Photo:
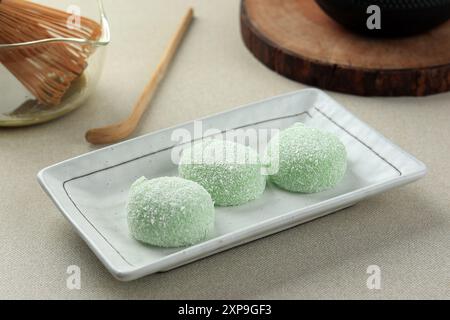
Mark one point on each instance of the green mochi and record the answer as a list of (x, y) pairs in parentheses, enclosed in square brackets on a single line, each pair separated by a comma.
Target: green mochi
[(230, 172), (309, 160), (169, 212)]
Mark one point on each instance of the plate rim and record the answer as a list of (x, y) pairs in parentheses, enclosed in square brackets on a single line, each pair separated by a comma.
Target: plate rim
[(238, 237)]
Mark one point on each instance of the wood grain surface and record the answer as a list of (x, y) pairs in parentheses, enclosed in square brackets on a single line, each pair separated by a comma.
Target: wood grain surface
[(296, 39)]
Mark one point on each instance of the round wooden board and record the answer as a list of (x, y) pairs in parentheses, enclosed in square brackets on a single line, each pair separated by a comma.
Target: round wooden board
[(296, 39)]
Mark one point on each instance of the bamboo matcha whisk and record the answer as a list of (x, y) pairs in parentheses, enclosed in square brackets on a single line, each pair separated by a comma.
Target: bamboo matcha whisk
[(46, 70)]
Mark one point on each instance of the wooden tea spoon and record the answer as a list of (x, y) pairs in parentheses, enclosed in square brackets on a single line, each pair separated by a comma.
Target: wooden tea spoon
[(124, 129)]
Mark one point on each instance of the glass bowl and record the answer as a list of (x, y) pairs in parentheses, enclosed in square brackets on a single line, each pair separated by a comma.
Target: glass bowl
[(18, 105)]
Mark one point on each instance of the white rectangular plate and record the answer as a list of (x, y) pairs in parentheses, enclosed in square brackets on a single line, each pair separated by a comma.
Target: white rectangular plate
[(91, 190)]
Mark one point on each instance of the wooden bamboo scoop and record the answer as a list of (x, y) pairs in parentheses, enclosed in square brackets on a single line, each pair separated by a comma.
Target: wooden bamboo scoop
[(124, 129)]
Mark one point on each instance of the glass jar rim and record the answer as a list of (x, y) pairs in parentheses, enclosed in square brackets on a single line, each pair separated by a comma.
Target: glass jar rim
[(104, 39)]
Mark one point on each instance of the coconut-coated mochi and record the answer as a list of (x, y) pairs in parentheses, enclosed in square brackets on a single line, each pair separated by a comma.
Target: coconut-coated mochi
[(169, 212), (309, 160), (231, 172)]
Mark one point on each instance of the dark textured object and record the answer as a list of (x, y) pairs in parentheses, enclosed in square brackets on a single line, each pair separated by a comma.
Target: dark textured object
[(398, 17), (298, 40)]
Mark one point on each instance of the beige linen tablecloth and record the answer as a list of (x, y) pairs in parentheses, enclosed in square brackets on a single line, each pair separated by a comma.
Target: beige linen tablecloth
[(406, 232)]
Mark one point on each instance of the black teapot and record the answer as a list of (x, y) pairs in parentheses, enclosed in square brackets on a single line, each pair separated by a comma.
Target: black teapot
[(387, 18)]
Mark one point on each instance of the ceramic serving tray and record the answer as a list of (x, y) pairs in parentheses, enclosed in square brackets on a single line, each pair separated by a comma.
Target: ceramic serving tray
[(91, 190)]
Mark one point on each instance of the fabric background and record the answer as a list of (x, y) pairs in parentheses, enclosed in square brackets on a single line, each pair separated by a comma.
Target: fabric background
[(405, 231)]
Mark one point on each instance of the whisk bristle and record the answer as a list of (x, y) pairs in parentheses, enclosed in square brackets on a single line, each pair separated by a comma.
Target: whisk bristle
[(46, 70)]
